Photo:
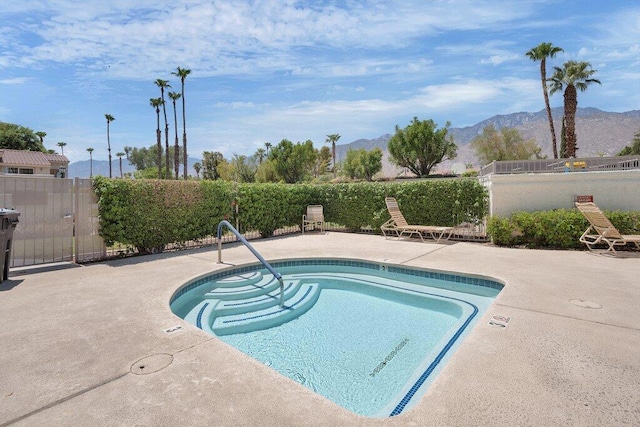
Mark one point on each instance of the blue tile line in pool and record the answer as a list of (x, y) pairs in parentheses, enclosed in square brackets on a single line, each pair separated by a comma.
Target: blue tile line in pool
[(342, 263), (199, 320), (416, 386)]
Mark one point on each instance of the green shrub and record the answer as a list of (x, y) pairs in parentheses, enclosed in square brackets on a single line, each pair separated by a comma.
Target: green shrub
[(557, 229), (149, 214)]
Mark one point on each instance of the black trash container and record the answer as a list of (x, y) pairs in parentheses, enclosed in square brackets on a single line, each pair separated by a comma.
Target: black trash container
[(8, 222)]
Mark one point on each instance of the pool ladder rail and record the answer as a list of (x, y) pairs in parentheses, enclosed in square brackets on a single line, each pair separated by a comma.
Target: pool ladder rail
[(264, 262)]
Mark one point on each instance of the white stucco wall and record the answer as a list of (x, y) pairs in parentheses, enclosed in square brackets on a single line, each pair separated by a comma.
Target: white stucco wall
[(615, 190)]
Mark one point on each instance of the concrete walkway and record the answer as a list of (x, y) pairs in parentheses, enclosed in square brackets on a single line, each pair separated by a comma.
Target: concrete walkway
[(88, 345)]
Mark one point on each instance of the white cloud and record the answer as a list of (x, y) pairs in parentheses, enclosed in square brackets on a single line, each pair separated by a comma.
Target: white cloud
[(15, 81)]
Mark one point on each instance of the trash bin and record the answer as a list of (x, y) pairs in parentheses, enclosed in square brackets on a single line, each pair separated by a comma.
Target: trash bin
[(8, 222)]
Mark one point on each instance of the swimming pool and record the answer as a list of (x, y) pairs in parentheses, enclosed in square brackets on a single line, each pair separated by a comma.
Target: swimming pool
[(369, 336)]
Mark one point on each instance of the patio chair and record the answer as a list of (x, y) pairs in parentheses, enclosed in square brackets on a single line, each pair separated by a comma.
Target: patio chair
[(398, 224), (313, 217), (601, 230)]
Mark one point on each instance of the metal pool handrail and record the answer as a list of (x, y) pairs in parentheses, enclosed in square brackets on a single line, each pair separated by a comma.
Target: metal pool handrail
[(253, 251)]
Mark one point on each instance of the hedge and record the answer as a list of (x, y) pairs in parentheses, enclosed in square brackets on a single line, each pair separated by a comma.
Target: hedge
[(149, 214), (557, 229)]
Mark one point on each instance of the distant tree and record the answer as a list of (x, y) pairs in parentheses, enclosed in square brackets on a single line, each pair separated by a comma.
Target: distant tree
[(183, 73), (90, 150), (40, 134), (109, 118), (147, 158), (176, 151), (293, 162), (267, 172), (197, 166), (634, 148), (362, 164), (371, 162), (260, 154), (61, 145), (241, 169), (323, 159), (267, 146), (420, 146), (164, 84), (507, 144), (541, 53), (351, 164), (119, 155), (211, 164), (333, 138), (572, 76), (16, 137), (155, 103)]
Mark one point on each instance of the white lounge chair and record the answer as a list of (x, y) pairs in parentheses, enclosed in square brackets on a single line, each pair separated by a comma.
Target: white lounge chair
[(398, 224), (601, 230)]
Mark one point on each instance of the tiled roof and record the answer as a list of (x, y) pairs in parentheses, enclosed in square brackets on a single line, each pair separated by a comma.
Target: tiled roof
[(29, 158), (58, 158)]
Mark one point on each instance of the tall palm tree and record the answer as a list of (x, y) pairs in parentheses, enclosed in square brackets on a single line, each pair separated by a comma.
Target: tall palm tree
[(155, 103), (541, 53), (183, 73), (333, 138), (164, 84), (61, 145), (119, 155), (90, 150), (572, 76), (267, 146), (176, 152), (109, 118), (41, 135)]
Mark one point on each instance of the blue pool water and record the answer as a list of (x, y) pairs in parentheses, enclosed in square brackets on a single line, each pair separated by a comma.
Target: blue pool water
[(370, 337)]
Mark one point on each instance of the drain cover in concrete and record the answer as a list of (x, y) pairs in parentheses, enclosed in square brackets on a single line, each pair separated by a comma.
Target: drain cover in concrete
[(584, 303), (151, 364)]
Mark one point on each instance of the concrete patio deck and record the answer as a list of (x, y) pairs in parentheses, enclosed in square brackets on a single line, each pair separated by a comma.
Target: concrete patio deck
[(74, 340)]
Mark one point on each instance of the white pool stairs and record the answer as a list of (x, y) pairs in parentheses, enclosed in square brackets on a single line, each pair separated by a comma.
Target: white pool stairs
[(250, 301)]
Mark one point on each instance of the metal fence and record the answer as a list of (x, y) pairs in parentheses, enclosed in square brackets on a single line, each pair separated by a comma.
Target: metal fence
[(562, 165)]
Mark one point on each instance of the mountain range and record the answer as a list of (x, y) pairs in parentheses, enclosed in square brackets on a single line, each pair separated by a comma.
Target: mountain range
[(599, 133)]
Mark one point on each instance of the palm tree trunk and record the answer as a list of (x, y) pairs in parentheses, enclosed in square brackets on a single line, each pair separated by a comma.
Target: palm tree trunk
[(184, 136), (570, 107), (333, 154), (176, 153), (121, 176), (109, 147), (543, 75), (159, 142)]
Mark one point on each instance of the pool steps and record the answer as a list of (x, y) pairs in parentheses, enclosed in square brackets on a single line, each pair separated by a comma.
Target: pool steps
[(250, 301), (242, 290), (297, 304)]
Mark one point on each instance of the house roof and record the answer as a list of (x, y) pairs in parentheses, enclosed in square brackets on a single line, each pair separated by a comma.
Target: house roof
[(56, 158), (29, 158)]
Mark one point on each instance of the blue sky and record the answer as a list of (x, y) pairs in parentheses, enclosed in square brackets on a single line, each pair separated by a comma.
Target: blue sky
[(265, 70)]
